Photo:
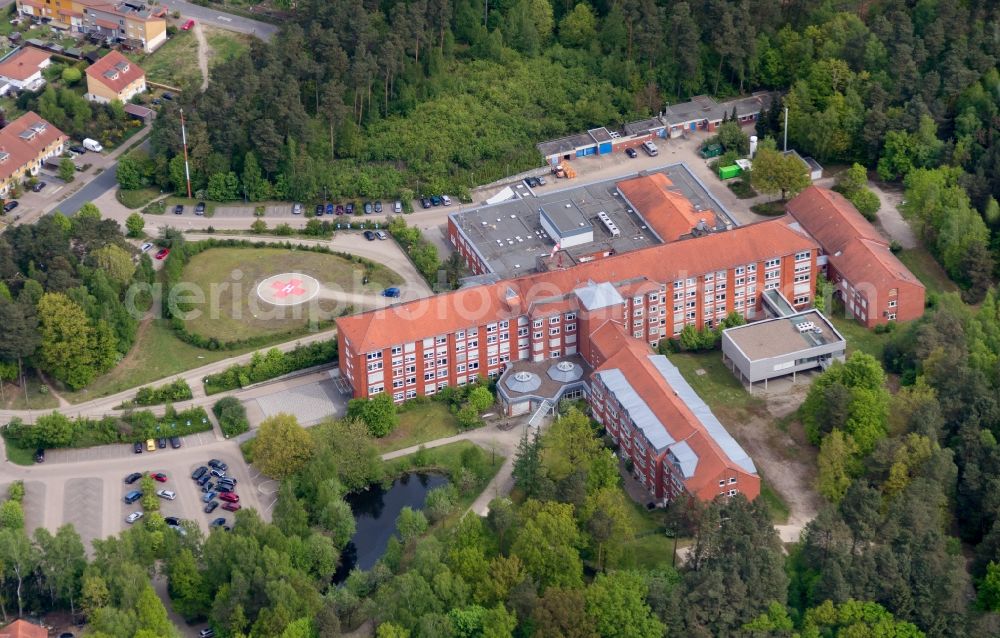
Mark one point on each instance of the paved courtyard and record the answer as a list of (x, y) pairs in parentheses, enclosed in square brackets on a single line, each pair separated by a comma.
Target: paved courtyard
[(309, 403)]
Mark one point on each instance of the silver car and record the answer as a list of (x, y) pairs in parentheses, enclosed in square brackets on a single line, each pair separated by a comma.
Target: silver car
[(133, 517)]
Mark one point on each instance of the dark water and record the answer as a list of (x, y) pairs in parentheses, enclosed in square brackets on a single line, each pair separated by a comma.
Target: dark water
[(375, 512)]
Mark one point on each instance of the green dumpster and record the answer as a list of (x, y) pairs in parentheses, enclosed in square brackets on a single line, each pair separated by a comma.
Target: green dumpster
[(729, 172), (712, 150)]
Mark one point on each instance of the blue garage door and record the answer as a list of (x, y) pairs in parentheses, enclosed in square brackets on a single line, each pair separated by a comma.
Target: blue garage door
[(590, 150), (605, 147)]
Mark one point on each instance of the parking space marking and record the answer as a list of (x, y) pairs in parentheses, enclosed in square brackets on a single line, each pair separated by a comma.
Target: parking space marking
[(83, 506)]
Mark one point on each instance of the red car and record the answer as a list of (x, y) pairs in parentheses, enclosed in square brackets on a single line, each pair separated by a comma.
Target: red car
[(160, 477), (187, 25), (163, 253), (230, 507), (231, 497)]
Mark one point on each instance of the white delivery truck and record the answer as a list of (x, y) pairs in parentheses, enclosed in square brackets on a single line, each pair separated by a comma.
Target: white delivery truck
[(92, 145)]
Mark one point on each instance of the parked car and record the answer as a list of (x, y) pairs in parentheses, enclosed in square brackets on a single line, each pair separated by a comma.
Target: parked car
[(368, 208), (161, 442), (531, 181), (167, 494), (157, 101), (145, 247), (205, 478), (381, 234), (137, 447), (208, 496), (160, 477), (132, 478), (349, 208), (631, 152), (397, 207), (151, 445), (187, 25), (446, 200), (40, 455), (11, 205), (207, 487), (206, 633), (229, 497), (172, 521), (296, 208), (231, 507), (132, 497), (200, 472), (77, 149), (167, 95), (179, 209), (163, 253), (218, 473), (329, 209), (219, 522), (425, 202), (227, 480), (378, 206), (650, 149), (222, 488), (199, 208), (133, 517), (92, 145), (216, 464), (37, 188), (319, 210), (211, 507), (541, 180), (175, 442), (369, 235), (339, 209), (435, 200), (391, 292)]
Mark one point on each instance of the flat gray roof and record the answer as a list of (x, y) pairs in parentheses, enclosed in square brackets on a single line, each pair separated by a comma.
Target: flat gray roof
[(777, 337), (704, 107), (567, 218), (508, 236)]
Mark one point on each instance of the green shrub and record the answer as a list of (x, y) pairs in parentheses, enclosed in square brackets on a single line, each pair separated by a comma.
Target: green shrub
[(178, 390), (232, 416), (273, 363)]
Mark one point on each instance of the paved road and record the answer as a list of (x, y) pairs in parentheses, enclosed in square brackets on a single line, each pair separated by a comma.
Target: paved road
[(103, 182), (222, 20)]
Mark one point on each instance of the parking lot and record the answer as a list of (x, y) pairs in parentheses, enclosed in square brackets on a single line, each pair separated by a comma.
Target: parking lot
[(89, 492)]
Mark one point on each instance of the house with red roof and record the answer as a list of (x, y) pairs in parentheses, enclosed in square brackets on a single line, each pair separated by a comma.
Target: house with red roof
[(25, 144), (21, 69), (114, 77), (23, 629), (873, 283)]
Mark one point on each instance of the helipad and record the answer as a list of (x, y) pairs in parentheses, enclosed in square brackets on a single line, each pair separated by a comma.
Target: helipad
[(288, 289)]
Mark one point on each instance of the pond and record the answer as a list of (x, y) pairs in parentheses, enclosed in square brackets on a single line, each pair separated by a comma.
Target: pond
[(375, 512)]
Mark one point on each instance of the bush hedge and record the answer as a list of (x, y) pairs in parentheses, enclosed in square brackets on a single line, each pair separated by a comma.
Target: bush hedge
[(268, 365), (232, 416), (59, 431), (178, 390)]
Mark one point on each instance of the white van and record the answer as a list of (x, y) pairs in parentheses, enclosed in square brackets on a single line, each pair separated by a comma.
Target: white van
[(92, 145), (649, 147)]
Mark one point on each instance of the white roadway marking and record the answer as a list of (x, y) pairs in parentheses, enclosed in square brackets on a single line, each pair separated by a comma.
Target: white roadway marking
[(223, 18)]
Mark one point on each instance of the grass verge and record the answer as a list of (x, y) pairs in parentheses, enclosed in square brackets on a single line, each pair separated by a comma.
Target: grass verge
[(775, 504), (770, 209), (419, 424), (19, 455), (449, 459), (715, 384), (922, 264), (136, 199), (175, 63), (858, 337), (38, 399), (742, 189)]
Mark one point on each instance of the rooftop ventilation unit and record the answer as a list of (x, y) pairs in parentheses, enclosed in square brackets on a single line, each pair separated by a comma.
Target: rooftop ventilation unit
[(806, 326), (609, 224)]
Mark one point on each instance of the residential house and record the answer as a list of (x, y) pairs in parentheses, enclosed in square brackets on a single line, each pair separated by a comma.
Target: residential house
[(131, 24), (23, 629), (21, 70), (875, 286), (114, 77), (25, 144)]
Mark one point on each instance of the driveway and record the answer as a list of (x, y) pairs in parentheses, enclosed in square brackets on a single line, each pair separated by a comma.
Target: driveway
[(221, 19)]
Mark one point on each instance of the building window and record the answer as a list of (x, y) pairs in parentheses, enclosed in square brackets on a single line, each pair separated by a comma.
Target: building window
[(491, 339), (892, 316), (397, 350), (473, 365), (504, 324), (751, 268), (553, 331), (570, 316), (554, 320), (522, 332), (732, 492), (892, 303), (490, 329), (732, 480), (802, 256), (800, 278), (442, 340), (537, 335), (798, 301), (537, 323), (571, 327), (722, 483), (772, 263), (374, 355)]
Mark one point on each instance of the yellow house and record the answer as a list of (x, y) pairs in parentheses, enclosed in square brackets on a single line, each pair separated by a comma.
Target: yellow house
[(114, 77), (134, 25), (25, 144)]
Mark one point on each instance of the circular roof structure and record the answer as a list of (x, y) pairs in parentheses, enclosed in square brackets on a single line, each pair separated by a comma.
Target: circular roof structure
[(523, 381), (565, 372), (288, 289)]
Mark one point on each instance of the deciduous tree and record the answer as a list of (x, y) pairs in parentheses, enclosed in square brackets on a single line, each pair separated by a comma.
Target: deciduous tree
[(282, 446)]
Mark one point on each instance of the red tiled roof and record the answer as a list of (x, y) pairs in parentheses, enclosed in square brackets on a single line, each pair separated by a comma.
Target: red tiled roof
[(830, 219), (23, 629), (668, 212), (23, 63), (23, 140), (665, 263), (115, 71), (873, 263)]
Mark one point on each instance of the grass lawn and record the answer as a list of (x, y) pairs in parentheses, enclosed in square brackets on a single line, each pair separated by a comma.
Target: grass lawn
[(157, 353), (927, 270), (225, 45), (19, 455), (419, 424), (858, 337), (771, 209), (774, 503), (175, 63), (717, 386), (137, 198), (742, 188), (650, 548), (446, 458), (233, 311), (13, 396)]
